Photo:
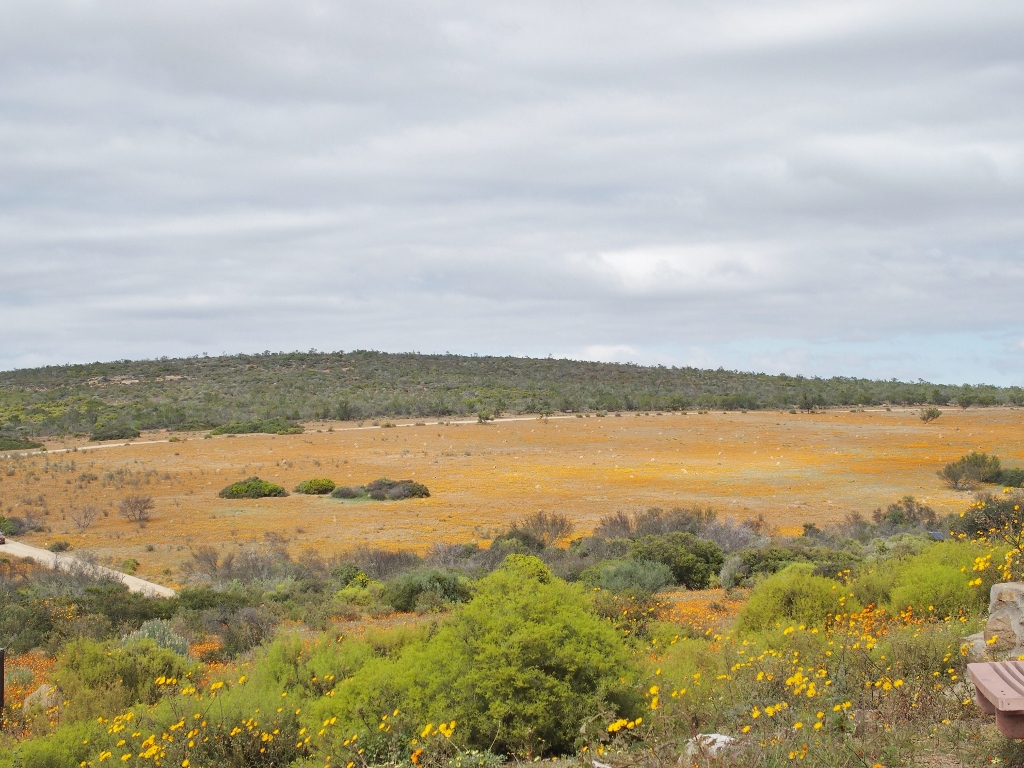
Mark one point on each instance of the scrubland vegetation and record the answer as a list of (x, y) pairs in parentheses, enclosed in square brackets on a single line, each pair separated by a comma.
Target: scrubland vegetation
[(844, 648), (611, 629), (270, 393)]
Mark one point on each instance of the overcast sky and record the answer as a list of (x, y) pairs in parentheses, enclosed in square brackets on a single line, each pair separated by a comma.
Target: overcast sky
[(825, 188)]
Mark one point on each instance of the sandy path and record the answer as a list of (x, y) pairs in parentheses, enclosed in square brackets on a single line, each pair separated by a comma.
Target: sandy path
[(66, 563)]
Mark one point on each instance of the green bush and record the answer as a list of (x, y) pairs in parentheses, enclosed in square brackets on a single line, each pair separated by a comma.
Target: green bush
[(8, 527), (1012, 478), (60, 545), (396, 489), (17, 444), (936, 581), (692, 561), (71, 745), (403, 593), (520, 668), (266, 427), (967, 471), (160, 632), (100, 678), (252, 488), (630, 576), (318, 486), (794, 595), (906, 512), (347, 492), (113, 431)]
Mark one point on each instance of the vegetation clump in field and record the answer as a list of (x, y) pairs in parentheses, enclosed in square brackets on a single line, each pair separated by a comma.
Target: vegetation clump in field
[(265, 426), (383, 489), (974, 468), (114, 430), (17, 444), (252, 488), (317, 486)]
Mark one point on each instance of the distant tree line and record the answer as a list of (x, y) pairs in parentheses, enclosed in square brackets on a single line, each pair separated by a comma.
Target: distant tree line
[(119, 398)]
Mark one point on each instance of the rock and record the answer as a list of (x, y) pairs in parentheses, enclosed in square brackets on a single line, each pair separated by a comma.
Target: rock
[(976, 648), (709, 745), (44, 696), (1004, 631)]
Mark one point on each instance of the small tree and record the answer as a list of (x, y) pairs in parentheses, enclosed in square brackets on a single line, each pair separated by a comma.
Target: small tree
[(930, 414), (136, 508), (967, 471), (84, 517)]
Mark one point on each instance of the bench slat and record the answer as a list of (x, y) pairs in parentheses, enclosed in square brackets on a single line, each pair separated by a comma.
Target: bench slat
[(1002, 683)]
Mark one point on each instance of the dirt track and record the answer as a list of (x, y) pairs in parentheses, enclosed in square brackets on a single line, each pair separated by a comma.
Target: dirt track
[(68, 562)]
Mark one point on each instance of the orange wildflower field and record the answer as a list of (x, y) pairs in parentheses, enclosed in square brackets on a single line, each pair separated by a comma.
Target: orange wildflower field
[(790, 468)]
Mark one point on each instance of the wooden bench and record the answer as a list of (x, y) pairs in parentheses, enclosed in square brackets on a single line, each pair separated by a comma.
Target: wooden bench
[(999, 691)]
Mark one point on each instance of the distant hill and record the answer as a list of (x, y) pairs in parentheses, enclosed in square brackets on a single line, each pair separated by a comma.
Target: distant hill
[(205, 392)]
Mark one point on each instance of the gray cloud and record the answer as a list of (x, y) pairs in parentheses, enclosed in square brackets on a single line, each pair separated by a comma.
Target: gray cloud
[(818, 188)]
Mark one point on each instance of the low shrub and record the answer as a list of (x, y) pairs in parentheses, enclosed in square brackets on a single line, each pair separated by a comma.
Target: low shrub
[(99, 678), (266, 426), (630, 576), (795, 595), (908, 511), (252, 488), (1012, 478), (318, 486), (130, 566), (347, 492), (160, 633), (113, 431), (937, 582), (692, 561), (18, 444), (395, 489), (405, 592), (969, 470), (60, 545)]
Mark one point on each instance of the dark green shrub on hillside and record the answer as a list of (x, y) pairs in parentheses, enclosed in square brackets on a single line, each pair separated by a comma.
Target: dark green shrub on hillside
[(60, 545), (17, 444), (318, 486), (100, 678), (692, 561), (969, 470), (794, 595), (266, 426), (520, 668), (252, 488), (407, 590), (9, 527), (113, 431)]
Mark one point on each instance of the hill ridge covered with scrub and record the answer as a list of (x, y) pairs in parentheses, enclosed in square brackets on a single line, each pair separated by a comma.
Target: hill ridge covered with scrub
[(207, 392)]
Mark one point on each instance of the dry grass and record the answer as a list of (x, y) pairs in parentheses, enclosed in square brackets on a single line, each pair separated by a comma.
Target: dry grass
[(790, 468)]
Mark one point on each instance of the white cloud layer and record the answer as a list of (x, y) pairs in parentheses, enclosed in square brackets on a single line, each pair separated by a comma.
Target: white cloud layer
[(820, 188)]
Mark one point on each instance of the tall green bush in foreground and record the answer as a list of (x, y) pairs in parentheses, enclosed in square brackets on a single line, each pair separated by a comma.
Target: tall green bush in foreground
[(519, 668)]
